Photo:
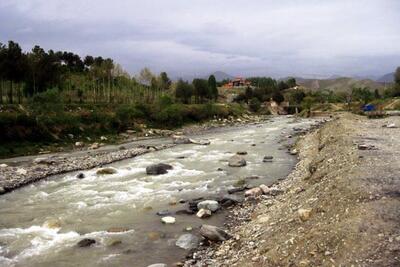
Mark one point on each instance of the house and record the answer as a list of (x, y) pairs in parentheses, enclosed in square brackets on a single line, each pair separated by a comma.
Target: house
[(237, 82)]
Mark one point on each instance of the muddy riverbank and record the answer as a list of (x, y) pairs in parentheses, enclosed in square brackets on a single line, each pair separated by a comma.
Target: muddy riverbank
[(339, 207)]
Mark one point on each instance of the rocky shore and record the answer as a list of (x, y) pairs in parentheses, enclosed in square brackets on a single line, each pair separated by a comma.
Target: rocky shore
[(339, 207)]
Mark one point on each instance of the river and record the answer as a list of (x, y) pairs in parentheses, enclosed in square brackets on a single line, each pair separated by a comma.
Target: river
[(41, 223)]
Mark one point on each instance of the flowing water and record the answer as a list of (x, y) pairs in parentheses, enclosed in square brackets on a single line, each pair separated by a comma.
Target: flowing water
[(40, 224)]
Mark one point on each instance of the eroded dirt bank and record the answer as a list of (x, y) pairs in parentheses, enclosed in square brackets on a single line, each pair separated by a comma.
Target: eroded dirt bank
[(340, 206)]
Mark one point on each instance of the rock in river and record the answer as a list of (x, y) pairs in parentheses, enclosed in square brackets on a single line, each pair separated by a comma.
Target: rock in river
[(211, 205), (168, 220), (80, 175), (237, 161), (86, 242), (107, 170), (268, 159), (213, 233), (156, 169), (241, 152), (203, 213), (158, 265), (188, 241), (181, 139)]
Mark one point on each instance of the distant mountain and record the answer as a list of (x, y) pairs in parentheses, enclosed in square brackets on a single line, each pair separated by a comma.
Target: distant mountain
[(220, 75), (342, 84), (387, 78)]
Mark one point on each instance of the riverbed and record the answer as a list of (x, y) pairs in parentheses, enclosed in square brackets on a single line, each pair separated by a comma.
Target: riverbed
[(40, 224)]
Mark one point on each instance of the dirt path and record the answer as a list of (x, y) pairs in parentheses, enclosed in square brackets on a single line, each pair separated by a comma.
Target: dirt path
[(340, 206)]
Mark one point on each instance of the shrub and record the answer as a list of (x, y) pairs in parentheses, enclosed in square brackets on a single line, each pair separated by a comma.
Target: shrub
[(254, 104)]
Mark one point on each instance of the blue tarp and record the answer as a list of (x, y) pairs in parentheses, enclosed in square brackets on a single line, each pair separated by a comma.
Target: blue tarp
[(368, 107)]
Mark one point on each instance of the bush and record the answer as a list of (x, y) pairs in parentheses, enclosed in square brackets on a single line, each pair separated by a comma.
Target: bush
[(172, 116), (254, 104)]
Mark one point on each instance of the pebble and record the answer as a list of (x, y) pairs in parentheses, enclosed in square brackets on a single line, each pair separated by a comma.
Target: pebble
[(168, 220)]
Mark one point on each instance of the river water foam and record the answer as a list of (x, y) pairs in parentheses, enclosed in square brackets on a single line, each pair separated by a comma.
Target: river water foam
[(40, 224)]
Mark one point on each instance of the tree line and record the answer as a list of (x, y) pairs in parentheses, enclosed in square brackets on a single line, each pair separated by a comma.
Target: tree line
[(89, 79)]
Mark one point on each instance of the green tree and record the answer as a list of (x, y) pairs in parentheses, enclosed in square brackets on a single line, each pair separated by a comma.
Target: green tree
[(291, 82), (212, 85), (183, 91), (200, 89), (164, 81)]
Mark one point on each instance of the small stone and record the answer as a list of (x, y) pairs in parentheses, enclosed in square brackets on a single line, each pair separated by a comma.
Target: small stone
[(188, 241), (391, 125), (241, 152), (3, 165), (268, 159), (213, 233), (168, 220), (80, 175), (163, 213), (304, 214), (254, 192), (106, 171), (79, 144), (158, 265), (293, 152), (2, 190), (103, 138), (211, 205), (203, 213)]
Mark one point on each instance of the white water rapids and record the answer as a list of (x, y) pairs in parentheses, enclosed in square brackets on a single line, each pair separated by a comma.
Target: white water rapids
[(40, 224)]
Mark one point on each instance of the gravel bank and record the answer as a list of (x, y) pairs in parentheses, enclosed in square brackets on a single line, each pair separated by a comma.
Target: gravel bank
[(340, 206), (15, 177)]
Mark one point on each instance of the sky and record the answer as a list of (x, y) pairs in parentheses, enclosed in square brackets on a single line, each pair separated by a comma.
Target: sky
[(309, 38)]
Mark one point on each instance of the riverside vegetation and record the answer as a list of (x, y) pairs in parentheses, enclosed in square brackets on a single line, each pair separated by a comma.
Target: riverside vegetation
[(53, 99)]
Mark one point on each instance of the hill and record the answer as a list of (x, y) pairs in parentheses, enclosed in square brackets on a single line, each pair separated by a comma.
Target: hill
[(220, 75), (387, 78), (343, 84)]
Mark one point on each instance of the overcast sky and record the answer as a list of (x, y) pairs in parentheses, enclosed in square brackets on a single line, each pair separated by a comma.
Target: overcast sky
[(186, 37)]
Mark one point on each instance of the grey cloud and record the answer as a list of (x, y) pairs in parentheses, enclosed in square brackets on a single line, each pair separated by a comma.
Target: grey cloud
[(347, 37)]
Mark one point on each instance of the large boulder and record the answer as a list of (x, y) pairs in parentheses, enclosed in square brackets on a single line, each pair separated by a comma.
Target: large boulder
[(159, 168), (211, 205), (237, 161), (188, 241), (213, 233)]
